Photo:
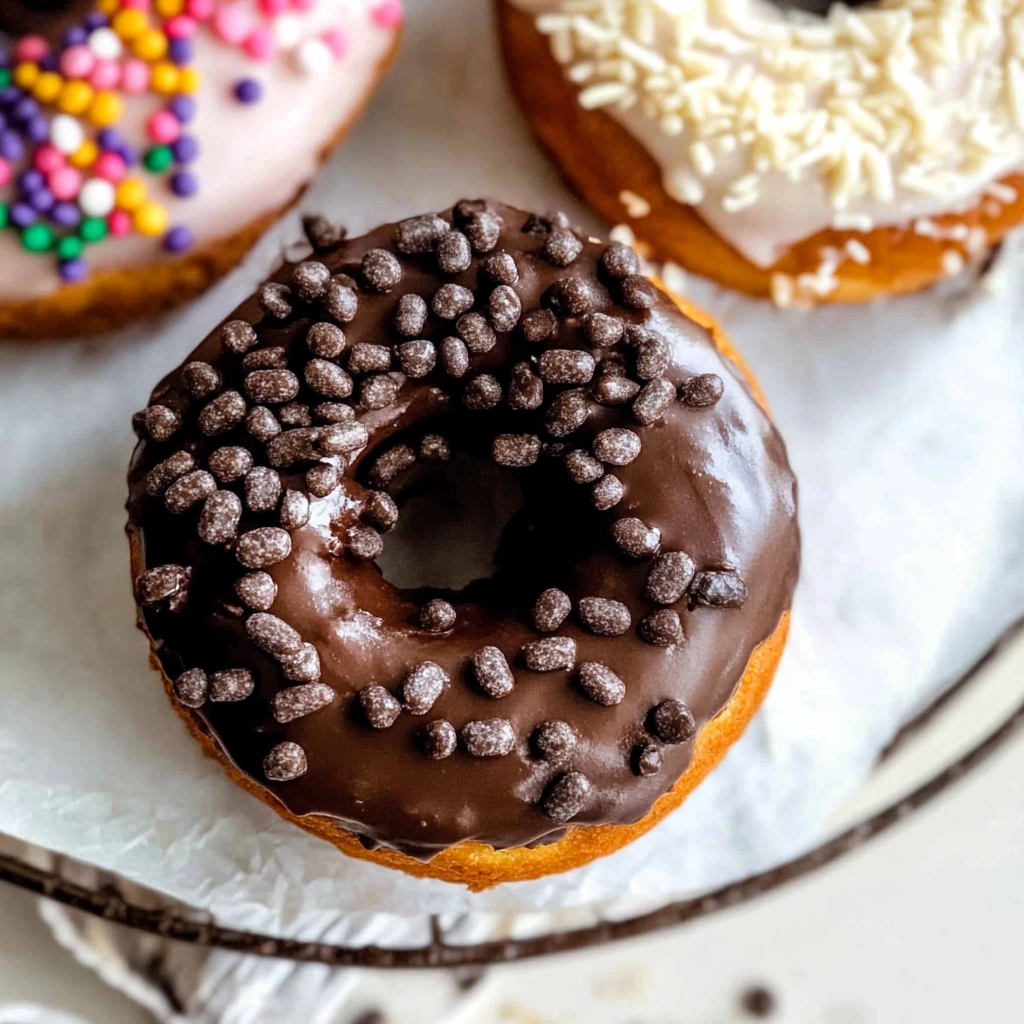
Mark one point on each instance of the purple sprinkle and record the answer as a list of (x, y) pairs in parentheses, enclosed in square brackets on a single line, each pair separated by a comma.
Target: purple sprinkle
[(49, 62), (9, 95), (183, 108), (41, 200), (11, 146), (66, 215), (4, 59), (110, 139), (22, 215), (73, 270), (96, 20), (30, 180), (248, 90), (178, 239), (185, 149), (75, 36), (184, 184), (3, 123), (25, 108), (37, 129), (181, 51), (129, 154)]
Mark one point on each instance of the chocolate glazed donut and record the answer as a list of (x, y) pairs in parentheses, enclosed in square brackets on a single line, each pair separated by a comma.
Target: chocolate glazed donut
[(532, 720)]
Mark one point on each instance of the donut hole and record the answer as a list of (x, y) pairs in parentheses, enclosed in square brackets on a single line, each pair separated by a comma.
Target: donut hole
[(453, 516), (820, 7)]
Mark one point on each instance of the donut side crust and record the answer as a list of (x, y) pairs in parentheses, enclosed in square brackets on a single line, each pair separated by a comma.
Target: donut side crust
[(480, 866), (901, 261), (111, 299)]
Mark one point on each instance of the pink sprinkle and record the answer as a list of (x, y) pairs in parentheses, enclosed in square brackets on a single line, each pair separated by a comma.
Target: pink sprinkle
[(31, 48), (135, 76), (109, 166), (106, 75), (272, 8), (337, 42), (201, 10), (388, 14), (180, 27), (119, 222), (65, 183), (302, 5), (135, 5), (77, 62), (232, 24), (47, 159), (163, 127), (5, 173), (260, 45)]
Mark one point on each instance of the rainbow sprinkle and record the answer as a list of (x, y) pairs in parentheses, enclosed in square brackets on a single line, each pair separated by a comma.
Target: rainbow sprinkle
[(68, 177)]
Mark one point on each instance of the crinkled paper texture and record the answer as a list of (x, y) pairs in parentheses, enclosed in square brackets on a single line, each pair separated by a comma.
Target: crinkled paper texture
[(905, 424)]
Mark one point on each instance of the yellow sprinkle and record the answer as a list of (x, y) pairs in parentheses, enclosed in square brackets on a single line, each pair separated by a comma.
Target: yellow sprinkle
[(85, 155), (105, 109), (151, 45), (109, 7), (169, 8), (150, 219), (130, 194), (25, 75), (165, 78), (47, 87), (129, 24), (188, 80), (75, 98)]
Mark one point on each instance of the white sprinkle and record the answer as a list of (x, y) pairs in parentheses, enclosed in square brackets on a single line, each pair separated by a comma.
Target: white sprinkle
[(703, 161), (857, 251), (952, 262), (96, 198), (1002, 192), (636, 206), (105, 44), (287, 31), (314, 57), (783, 291), (602, 95), (66, 133)]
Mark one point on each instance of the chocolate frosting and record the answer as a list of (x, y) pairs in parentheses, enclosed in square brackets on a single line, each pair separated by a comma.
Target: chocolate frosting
[(713, 479)]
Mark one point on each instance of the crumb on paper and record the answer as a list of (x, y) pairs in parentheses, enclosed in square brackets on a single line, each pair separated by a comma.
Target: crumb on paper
[(619, 985), (952, 262), (515, 1013)]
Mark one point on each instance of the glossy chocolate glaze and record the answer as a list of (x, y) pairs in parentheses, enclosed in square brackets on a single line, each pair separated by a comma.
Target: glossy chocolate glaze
[(714, 480)]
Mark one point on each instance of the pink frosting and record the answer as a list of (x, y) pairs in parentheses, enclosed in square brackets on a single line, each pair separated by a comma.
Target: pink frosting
[(253, 158)]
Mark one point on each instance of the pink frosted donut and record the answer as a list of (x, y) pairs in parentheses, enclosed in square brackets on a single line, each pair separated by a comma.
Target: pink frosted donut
[(161, 145)]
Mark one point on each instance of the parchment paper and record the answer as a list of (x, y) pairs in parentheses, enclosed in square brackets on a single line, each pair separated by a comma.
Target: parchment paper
[(905, 424)]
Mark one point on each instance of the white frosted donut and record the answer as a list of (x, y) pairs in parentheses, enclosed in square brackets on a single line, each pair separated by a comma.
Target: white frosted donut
[(777, 125)]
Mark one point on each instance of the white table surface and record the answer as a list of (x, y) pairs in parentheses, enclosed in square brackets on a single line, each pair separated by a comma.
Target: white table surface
[(922, 926)]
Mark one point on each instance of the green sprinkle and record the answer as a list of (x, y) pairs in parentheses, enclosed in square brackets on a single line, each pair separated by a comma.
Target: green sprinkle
[(37, 238), (70, 248), (93, 229), (158, 159), (5, 77), (5, 215)]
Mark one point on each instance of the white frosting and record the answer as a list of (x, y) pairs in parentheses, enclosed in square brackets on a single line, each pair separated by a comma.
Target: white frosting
[(777, 125), (253, 157)]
